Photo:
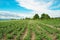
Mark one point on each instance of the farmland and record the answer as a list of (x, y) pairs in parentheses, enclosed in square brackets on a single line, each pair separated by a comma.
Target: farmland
[(30, 29)]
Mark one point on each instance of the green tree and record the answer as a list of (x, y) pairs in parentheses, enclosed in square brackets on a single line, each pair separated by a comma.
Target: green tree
[(45, 16), (27, 18), (36, 16)]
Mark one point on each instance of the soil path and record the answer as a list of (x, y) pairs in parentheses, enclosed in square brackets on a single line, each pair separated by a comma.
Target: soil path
[(33, 36), (51, 26), (53, 37), (24, 34)]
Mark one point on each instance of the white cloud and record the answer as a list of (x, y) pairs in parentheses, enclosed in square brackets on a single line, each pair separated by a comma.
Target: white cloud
[(40, 6), (13, 15), (9, 15)]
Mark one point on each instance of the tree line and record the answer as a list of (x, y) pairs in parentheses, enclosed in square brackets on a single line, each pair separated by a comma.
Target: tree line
[(43, 16)]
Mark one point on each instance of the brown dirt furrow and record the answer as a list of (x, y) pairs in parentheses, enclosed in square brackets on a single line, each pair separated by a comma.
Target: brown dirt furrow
[(14, 37), (24, 34), (58, 28), (32, 36), (4, 38), (50, 35), (51, 26)]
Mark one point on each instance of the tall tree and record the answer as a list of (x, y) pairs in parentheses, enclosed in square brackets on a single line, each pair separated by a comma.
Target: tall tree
[(45, 16), (36, 16)]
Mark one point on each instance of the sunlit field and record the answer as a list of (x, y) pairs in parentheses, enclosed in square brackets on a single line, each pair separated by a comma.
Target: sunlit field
[(30, 29), (29, 19)]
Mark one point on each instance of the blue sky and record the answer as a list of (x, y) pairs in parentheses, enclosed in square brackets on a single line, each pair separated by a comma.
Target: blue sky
[(55, 4), (27, 8), (11, 5)]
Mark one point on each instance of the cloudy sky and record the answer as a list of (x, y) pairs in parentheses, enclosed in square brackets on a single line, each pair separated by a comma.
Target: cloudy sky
[(27, 8)]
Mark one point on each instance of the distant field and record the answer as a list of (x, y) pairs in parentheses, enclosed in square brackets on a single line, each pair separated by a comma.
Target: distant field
[(30, 29)]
